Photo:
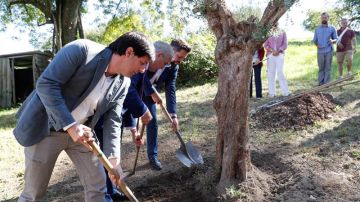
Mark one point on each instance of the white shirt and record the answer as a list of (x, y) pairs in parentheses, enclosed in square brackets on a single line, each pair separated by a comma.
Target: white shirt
[(88, 106), (255, 57)]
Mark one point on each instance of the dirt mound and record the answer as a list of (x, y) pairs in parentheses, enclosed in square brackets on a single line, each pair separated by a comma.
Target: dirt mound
[(296, 113)]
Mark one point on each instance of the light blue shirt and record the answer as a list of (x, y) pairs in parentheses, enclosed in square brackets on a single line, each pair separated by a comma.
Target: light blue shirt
[(322, 36)]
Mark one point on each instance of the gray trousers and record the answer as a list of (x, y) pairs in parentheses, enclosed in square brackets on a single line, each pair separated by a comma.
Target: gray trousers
[(40, 160), (324, 63)]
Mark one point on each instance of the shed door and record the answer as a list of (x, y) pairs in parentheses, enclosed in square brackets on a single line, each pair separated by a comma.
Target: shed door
[(6, 88)]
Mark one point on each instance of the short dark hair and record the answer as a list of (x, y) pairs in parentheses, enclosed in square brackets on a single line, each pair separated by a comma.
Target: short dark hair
[(138, 41), (179, 44), (325, 13)]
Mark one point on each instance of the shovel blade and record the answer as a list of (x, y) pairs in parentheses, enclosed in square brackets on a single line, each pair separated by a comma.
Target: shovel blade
[(183, 158), (194, 153)]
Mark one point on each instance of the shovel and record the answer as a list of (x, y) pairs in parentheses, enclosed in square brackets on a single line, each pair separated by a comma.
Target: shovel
[(137, 152), (97, 151), (187, 153)]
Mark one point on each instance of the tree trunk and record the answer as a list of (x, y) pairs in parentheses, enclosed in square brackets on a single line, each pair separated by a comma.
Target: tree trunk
[(236, 44), (232, 149), (69, 20)]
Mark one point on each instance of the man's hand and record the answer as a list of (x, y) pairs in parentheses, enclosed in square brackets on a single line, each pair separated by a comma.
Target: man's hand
[(156, 97), (333, 41), (136, 138), (146, 117), (175, 124), (275, 53), (115, 162), (81, 134)]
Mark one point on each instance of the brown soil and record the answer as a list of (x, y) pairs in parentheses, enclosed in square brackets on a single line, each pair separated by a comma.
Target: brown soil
[(295, 114), (321, 168)]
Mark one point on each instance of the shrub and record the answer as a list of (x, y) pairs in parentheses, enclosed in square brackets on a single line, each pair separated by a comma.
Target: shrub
[(199, 67)]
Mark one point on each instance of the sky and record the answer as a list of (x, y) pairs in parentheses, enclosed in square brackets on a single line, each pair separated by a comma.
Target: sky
[(12, 40)]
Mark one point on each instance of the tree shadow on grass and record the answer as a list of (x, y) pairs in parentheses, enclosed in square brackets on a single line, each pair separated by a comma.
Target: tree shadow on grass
[(335, 140), (7, 121), (352, 93), (68, 189)]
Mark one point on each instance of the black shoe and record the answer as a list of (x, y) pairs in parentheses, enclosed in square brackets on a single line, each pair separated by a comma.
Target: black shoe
[(118, 196), (155, 163)]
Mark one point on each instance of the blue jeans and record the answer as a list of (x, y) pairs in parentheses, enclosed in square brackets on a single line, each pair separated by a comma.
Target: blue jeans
[(257, 74), (151, 129), (324, 63)]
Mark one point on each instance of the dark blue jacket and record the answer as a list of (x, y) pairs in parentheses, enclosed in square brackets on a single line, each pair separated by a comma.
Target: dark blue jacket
[(133, 103), (168, 80)]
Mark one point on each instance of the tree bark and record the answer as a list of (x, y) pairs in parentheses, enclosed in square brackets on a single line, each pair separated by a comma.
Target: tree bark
[(69, 20), (233, 54)]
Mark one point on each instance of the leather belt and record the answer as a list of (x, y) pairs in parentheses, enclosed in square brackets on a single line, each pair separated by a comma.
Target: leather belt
[(53, 130)]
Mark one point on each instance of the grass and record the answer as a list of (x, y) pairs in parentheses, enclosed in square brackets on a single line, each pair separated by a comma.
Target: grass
[(198, 120), (7, 118)]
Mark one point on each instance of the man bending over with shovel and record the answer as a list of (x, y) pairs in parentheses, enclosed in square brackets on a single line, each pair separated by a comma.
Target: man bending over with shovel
[(134, 106), (83, 82), (166, 76)]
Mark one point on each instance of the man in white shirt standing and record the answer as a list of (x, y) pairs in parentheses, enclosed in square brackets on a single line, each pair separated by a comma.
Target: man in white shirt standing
[(84, 81)]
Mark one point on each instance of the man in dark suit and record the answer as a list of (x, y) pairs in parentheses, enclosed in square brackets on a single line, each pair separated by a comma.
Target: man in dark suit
[(134, 107), (84, 81), (158, 78)]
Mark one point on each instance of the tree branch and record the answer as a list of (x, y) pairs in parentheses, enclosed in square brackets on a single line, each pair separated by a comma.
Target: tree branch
[(274, 10), (220, 19), (43, 6)]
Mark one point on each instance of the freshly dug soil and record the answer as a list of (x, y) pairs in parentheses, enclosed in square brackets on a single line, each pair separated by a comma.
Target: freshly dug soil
[(295, 114)]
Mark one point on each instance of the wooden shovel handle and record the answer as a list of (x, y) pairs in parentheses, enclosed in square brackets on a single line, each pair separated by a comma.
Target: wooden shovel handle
[(142, 131), (97, 151), (166, 112)]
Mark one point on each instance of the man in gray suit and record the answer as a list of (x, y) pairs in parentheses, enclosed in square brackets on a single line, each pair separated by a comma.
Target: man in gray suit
[(84, 81)]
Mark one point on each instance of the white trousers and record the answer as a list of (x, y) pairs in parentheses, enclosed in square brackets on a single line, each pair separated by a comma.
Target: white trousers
[(275, 66)]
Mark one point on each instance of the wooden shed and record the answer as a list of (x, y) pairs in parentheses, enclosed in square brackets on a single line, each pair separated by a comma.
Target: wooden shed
[(18, 75)]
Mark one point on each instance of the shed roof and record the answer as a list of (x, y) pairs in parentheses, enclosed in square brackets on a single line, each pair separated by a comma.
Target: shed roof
[(25, 54)]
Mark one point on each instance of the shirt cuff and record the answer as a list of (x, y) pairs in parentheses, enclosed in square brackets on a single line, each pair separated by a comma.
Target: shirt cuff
[(131, 128), (68, 126), (173, 115)]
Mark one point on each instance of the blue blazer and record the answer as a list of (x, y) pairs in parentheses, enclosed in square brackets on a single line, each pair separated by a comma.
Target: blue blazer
[(168, 80), (133, 105), (65, 83)]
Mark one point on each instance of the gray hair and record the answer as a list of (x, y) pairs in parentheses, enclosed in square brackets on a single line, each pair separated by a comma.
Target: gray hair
[(165, 48)]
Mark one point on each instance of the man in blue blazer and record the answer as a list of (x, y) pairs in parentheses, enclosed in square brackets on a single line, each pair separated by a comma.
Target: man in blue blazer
[(140, 84), (158, 78), (134, 107), (84, 81)]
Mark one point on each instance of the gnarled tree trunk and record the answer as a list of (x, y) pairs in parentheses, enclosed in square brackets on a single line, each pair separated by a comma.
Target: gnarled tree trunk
[(236, 44)]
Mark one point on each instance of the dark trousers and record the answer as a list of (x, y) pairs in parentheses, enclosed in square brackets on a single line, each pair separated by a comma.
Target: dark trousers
[(151, 130), (258, 86)]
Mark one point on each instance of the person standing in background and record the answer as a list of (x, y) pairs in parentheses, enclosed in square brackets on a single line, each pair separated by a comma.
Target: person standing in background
[(324, 36), (275, 47), (345, 46), (257, 64)]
